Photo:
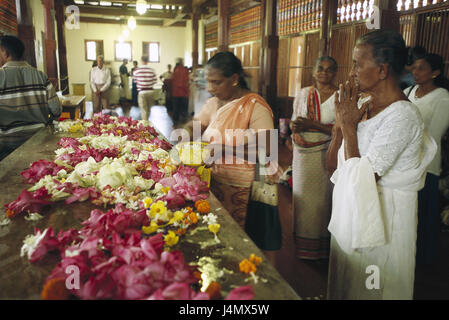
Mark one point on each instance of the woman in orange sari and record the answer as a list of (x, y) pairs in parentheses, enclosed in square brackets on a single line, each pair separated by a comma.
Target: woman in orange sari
[(313, 116), (233, 106)]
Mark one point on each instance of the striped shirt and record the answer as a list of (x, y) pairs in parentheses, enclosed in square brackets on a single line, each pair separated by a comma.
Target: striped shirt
[(145, 78), (27, 99)]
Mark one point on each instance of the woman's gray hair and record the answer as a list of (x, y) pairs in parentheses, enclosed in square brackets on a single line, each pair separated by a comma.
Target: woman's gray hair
[(388, 47), (334, 64)]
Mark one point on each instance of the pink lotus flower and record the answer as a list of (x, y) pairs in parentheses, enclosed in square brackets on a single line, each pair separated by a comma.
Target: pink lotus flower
[(241, 293), (27, 201), (40, 169), (69, 142), (178, 291), (82, 194)]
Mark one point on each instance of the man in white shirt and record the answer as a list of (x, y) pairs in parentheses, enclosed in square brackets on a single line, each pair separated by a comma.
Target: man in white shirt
[(100, 81), (145, 78)]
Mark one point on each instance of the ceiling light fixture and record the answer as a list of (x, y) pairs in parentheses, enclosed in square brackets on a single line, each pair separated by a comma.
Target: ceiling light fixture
[(132, 23), (141, 6)]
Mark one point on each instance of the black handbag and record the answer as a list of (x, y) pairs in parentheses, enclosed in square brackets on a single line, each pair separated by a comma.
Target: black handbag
[(262, 223)]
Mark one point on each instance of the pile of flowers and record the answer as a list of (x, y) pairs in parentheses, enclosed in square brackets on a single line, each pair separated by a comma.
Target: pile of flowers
[(117, 160), (127, 251), (110, 259)]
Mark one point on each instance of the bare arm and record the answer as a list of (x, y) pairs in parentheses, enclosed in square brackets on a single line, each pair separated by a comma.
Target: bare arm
[(332, 151)]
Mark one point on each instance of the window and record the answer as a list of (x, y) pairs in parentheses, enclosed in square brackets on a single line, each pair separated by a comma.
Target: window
[(152, 50), (123, 50), (93, 48)]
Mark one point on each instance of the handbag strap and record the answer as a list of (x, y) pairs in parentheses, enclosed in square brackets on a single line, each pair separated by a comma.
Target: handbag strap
[(261, 165)]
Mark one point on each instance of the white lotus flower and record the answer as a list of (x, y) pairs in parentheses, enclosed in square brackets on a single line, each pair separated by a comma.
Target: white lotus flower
[(31, 242)]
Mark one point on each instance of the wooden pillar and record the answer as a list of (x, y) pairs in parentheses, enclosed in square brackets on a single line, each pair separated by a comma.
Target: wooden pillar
[(389, 16), (269, 55), (62, 50), (195, 20), (223, 25), (324, 28), (25, 30), (50, 42)]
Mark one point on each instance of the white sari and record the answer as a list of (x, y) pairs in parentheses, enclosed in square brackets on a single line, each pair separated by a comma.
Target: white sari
[(373, 225)]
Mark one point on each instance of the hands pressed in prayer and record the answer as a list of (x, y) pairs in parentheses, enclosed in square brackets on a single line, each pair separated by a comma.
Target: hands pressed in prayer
[(347, 113)]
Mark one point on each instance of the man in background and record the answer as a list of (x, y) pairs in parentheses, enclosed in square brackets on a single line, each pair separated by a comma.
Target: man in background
[(100, 81), (28, 100), (124, 80), (145, 78), (166, 78), (180, 91)]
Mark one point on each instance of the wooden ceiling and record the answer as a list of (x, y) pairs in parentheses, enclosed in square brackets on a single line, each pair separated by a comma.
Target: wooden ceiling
[(164, 13)]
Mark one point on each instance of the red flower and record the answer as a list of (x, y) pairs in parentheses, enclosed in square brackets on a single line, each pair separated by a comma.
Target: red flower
[(27, 201), (40, 169), (241, 293)]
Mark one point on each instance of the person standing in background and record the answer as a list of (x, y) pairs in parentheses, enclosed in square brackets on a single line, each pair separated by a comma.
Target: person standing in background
[(28, 100), (124, 80), (145, 78), (166, 79), (431, 96), (167, 74), (134, 86), (180, 91), (100, 82), (312, 120)]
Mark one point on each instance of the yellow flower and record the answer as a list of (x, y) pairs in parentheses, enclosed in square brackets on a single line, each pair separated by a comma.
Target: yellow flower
[(247, 267), (151, 228), (166, 190), (171, 239), (214, 228), (75, 128), (119, 132), (147, 202), (63, 180), (177, 216), (158, 208)]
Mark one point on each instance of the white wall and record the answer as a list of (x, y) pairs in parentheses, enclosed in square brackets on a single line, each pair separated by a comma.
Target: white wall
[(172, 42), (37, 12)]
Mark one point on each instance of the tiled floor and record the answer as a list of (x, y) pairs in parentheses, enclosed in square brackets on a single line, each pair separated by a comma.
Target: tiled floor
[(308, 278)]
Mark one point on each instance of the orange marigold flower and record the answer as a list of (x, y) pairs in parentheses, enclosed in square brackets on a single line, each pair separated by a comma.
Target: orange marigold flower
[(55, 289), (214, 290), (255, 259), (189, 209), (197, 275), (181, 231), (10, 214), (193, 217), (247, 267), (202, 206)]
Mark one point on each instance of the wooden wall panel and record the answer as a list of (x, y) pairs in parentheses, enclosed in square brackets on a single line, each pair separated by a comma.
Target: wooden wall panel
[(282, 69), (342, 43), (8, 17), (312, 49)]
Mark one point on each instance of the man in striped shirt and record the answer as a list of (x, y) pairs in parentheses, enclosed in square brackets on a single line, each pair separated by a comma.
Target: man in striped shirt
[(28, 100), (145, 78)]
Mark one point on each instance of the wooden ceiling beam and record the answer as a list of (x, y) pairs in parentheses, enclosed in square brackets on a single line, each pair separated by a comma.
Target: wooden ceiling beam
[(179, 23), (125, 3), (110, 11)]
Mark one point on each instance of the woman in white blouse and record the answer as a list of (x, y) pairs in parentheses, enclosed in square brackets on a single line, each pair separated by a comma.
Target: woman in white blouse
[(432, 101), (312, 119), (378, 156)]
